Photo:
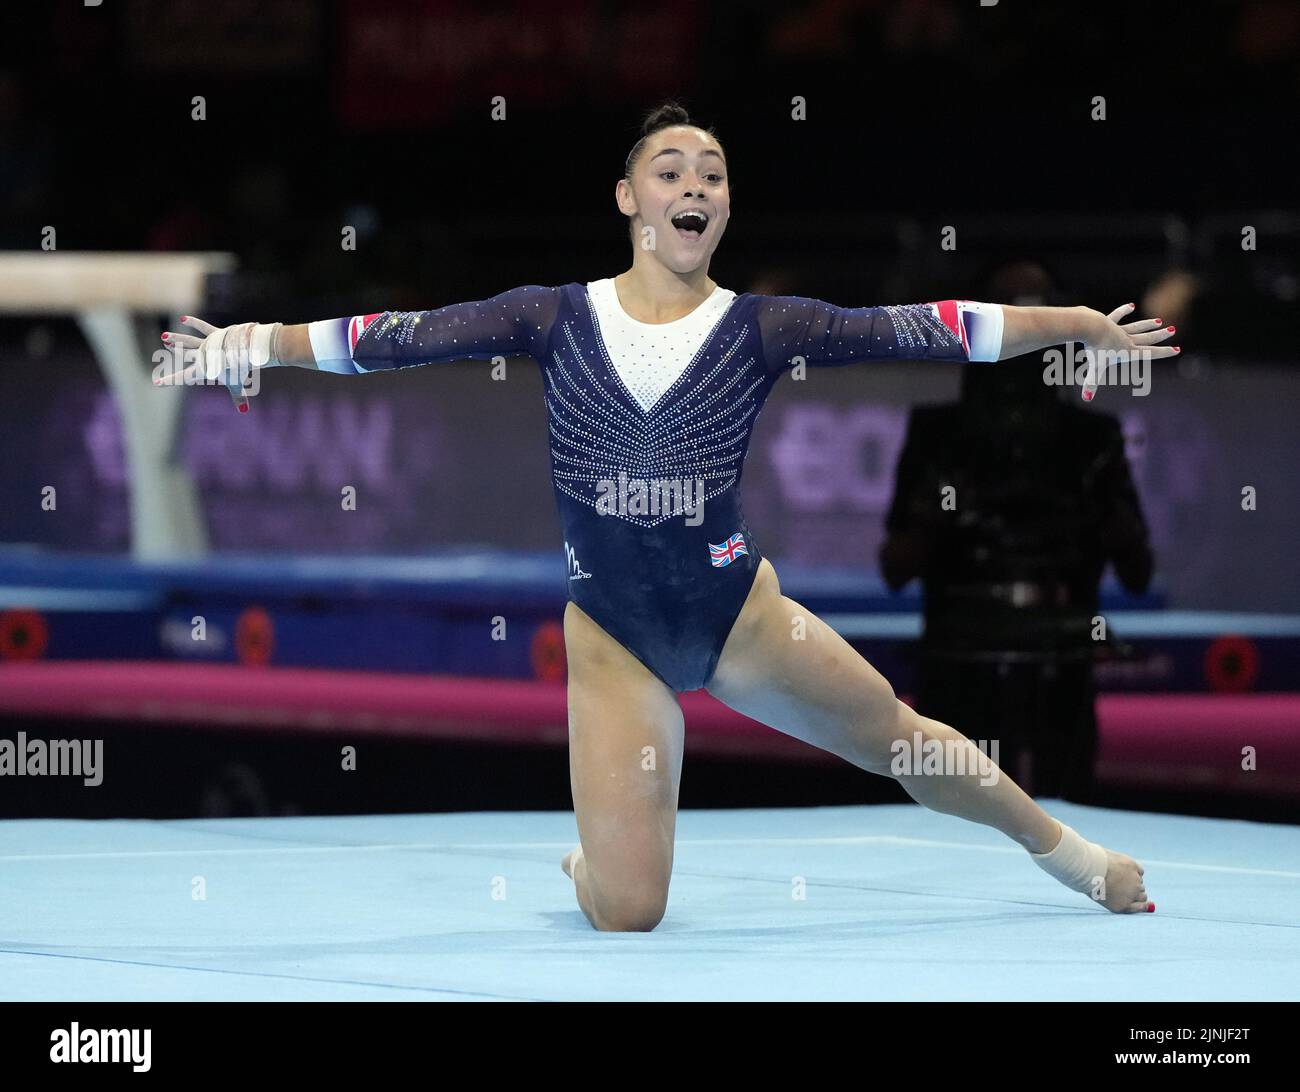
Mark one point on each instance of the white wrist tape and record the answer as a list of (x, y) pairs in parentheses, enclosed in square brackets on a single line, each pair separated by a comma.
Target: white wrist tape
[(230, 353), (1076, 862), (261, 346)]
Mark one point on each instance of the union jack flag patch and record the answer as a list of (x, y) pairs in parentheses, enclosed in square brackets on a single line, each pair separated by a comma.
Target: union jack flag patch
[(728, 551)]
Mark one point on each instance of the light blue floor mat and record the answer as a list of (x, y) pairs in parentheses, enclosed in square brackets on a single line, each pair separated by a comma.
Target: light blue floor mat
[(900, 903)]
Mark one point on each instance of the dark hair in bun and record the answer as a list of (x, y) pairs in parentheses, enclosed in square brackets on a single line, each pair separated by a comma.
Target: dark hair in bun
[(663, 116)]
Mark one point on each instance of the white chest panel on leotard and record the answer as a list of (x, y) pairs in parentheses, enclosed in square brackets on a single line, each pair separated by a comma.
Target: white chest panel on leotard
[(651, 357)]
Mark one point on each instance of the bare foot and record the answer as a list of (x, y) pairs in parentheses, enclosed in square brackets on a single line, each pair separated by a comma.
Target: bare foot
[(1112, 879), (570, 860), (1125, 892)]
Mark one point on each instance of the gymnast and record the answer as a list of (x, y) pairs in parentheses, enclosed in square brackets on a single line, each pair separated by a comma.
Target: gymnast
[(658, 374)]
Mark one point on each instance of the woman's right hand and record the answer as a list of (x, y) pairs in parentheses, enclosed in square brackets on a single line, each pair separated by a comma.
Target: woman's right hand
[(230, 355)]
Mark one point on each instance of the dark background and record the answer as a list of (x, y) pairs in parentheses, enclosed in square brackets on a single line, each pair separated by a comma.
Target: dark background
[(377, 113), (921, 114)]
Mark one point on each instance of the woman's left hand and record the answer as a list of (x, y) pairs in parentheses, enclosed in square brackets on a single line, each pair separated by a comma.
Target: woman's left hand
[(1112, 343)]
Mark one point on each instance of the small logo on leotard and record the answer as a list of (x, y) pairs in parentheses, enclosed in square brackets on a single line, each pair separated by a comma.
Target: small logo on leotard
[(575, 570), (728, 551)]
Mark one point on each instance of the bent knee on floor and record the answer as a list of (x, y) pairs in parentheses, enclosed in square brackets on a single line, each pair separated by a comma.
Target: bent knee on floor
[(638, 913), (624, 922)]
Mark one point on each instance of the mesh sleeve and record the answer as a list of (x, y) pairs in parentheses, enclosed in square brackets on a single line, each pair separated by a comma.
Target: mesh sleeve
[(514, 323), (795, 329)]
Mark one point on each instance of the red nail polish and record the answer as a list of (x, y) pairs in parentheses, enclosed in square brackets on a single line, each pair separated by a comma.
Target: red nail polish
[(1177, 349), (1151, 908), (1158, 321), (243, 408), (1172, 329)]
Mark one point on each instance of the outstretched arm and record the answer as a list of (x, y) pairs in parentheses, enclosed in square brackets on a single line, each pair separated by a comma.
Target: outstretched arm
[(796, 329), (514, 323)]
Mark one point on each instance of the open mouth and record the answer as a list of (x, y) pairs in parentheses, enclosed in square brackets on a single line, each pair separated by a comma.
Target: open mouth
[(690, 225)]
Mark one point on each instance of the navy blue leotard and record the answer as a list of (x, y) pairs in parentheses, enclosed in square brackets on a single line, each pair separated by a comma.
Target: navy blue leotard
[(662, 581)]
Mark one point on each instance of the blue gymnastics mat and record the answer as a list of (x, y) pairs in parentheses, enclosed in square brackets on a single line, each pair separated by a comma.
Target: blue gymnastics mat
[(899, 904)]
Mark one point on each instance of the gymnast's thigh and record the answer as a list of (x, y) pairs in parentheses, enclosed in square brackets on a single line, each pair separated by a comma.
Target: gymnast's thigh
[(625, 758), (786, 668)]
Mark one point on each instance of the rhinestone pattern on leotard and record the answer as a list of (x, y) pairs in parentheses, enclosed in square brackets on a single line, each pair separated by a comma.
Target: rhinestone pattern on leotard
[(696, 430)]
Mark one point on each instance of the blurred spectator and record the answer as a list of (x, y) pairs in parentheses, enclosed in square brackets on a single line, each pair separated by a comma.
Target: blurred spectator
[(1042, 499)]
